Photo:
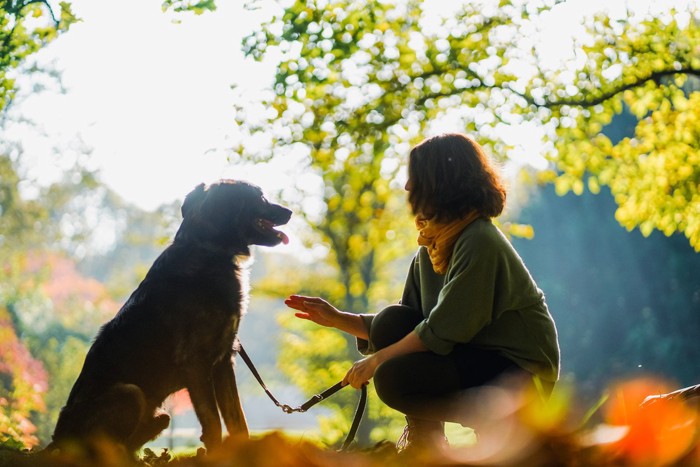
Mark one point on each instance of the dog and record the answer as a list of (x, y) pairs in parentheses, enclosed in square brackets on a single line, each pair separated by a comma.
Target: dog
[(178, 328)]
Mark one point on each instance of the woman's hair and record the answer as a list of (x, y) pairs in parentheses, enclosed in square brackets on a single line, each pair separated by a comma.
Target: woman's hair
[(450, 175)]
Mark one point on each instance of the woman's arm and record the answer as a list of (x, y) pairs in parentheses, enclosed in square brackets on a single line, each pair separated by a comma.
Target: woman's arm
[(323, 313), (363, 370)]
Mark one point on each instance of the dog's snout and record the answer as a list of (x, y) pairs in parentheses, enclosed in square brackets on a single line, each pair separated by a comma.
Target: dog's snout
[(281, 214)]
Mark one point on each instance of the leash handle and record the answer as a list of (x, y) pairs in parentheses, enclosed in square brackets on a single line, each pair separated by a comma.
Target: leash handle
[(356, 419)]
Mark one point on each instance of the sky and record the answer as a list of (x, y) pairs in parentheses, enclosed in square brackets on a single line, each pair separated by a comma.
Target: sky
[(150, 97)]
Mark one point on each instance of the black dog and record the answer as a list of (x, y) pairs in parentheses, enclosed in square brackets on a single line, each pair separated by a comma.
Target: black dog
[(177, 329)]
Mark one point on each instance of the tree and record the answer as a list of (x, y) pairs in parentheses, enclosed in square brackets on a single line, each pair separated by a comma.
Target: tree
[(650, 67), (23, 382), (25, 27)]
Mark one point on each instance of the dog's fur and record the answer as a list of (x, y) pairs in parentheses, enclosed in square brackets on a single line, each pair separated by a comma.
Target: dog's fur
[(178, 328)]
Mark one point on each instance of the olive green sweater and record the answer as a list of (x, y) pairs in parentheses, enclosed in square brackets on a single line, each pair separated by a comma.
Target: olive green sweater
[(487, 298)]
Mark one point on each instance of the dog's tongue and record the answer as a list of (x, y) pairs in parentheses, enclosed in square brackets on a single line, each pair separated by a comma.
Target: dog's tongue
[(282, 236)]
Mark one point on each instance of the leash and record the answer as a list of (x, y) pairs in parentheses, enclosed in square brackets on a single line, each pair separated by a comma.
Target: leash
[(314, 399)]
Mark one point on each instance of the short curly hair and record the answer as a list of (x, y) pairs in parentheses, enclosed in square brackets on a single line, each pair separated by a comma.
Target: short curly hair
[(451, 175)]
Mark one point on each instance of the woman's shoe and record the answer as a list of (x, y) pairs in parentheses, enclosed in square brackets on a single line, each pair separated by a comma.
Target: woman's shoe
[(422, 435)]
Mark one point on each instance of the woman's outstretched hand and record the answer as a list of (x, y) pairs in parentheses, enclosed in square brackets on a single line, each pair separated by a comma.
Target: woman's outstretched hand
[(314, 309), (323, 313)]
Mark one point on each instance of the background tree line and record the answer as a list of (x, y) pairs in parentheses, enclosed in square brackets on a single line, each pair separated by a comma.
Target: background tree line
[(357, 84), (58, 285)]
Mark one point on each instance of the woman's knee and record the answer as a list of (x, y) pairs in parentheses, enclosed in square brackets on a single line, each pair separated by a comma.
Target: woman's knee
[(392, 324), (389, 385)]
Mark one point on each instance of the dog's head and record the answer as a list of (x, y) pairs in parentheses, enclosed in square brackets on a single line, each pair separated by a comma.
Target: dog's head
[(232, 214)]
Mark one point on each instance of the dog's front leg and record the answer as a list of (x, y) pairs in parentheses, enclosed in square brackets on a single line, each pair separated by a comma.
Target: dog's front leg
[(201, 391), (228, 399)]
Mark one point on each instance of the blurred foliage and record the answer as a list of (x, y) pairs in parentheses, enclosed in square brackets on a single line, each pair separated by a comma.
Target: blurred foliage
[(23, 382), (55, 306), (26, 26), (23, 379), (530, 432), (651, 68), (59, 328), (27, 236)]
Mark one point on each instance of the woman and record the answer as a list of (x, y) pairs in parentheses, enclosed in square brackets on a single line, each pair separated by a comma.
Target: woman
[(470, 313)]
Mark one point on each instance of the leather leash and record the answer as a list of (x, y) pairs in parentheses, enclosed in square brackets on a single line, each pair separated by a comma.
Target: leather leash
[(314, 399)]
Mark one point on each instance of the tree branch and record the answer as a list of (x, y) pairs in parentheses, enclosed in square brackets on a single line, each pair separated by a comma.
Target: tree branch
[(16, 8), (599, 99)]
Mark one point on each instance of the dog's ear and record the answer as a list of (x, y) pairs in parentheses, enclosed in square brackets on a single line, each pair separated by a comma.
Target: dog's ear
[(194, 198)]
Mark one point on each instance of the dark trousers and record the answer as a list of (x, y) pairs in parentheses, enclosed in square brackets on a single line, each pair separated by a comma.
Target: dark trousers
[(425, 385)]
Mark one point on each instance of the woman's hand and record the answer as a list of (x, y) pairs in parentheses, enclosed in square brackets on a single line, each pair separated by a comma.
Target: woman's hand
[(321, 312), (362, 371), (314, 309)]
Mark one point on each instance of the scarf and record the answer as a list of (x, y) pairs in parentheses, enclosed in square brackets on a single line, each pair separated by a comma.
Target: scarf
[(439, 238)]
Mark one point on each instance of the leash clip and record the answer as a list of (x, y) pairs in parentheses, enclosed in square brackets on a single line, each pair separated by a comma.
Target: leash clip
[(287, 409)]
